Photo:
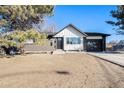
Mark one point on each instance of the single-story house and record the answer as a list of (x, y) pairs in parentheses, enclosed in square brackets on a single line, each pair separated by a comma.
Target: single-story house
[(70, 38)]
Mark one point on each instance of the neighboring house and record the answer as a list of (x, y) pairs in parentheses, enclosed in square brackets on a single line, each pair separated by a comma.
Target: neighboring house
[(71, 38), (109, 47), (119, 46), (113, 45)]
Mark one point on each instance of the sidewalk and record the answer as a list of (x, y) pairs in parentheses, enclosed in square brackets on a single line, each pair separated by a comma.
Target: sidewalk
[(114, 58)]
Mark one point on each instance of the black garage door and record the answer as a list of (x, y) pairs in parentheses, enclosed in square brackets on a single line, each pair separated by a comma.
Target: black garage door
[(94, 45)]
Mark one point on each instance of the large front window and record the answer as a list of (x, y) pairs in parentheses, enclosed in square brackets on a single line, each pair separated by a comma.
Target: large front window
[(73, 40)]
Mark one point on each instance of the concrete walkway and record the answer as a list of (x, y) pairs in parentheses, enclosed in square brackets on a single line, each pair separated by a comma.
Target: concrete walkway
[(114, 58), (60, 51)]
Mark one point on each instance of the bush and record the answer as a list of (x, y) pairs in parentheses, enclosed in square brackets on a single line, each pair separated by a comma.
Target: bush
[(18, 38)]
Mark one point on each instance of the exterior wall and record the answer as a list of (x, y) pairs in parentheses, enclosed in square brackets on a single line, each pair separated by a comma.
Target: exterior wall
[(94, 37), (71, 32)]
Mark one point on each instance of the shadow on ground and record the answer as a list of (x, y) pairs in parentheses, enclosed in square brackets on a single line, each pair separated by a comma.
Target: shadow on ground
[(63, 72), (33, 72)]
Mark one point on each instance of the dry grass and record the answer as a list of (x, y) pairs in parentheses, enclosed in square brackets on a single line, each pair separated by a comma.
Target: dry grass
[(67, 70)]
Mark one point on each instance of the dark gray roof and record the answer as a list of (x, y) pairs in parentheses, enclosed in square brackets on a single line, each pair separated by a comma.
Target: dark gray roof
[(96, 34)]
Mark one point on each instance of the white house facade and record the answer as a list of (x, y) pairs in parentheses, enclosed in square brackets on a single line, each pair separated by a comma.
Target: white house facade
[(70, 38)]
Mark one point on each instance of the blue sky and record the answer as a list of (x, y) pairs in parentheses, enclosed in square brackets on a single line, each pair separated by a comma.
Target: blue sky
[(87, 18)]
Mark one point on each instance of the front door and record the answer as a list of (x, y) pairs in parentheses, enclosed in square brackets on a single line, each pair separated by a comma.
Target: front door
[(59, 42)]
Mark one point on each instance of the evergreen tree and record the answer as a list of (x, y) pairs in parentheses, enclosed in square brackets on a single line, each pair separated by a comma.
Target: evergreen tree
[(21, 17), (119, 19)]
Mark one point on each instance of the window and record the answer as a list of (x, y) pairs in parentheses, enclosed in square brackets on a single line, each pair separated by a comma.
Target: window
[(73, 40)]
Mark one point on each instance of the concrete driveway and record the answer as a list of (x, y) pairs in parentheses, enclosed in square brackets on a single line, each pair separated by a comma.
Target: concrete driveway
[(112, 57)]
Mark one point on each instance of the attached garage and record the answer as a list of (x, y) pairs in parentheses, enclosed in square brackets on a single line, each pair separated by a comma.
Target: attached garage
[(96, 42)]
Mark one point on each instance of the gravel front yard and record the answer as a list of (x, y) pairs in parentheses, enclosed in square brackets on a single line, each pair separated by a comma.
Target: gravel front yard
[(65, 70)]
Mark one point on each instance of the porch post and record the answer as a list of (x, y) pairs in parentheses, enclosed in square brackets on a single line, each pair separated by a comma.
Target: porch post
[(84, 43), (64, 42), (104, 43)]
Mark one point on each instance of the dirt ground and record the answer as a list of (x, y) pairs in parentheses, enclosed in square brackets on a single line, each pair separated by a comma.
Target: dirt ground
[(63, 70)]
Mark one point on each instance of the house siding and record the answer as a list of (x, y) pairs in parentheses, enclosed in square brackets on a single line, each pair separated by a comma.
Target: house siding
[(71, 32), (94, 37)]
